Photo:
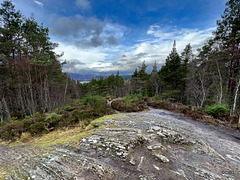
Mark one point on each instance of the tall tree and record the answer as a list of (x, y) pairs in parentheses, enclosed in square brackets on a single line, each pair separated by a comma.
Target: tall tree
[(227, 35), (31, 79), (186, 57), (155, 80), (171, 73)]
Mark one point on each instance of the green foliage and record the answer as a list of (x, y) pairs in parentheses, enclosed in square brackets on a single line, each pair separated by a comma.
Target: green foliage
[(92, 100), (108, 96), (89, 108), (68, 108), (130, 98), (111, 85), (228, 26), (27, 60), (53, 118), (217, 109), (98, 104), (173, 74), (37, 128), (157, 98), (170, 95), (127, 100)]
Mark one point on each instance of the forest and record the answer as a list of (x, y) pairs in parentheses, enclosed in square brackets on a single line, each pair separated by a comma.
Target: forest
[(32, 81)]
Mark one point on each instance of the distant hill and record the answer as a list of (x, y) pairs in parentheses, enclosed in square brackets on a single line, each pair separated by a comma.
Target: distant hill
[(127, 77), (80, 77), (88, 77)]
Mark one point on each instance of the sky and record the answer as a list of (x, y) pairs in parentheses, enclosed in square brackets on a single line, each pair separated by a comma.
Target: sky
[(101, 37)]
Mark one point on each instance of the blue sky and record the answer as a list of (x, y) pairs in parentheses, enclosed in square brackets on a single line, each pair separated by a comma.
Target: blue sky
[(104, 36)]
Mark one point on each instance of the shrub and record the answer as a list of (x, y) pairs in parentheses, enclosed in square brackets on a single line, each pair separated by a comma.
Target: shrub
[(157, 98), (127, 101), (108, 96), (98, 103), (217, 109), (126, 104), (68, 108), (93, 100), (37, 128)]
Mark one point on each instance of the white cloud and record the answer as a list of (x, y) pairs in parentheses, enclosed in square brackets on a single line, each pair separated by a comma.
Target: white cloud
[(87, 32), (84, 4), (127, 58), (39, 3), (89, 60)]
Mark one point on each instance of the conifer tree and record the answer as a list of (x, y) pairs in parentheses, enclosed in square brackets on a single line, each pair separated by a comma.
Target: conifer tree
[(171, 73), (155, 80), (228, 36)]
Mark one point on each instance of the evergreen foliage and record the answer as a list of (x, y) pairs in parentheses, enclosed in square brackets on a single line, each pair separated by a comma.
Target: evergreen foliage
[(172, 74), (217, 109), (31, 78)]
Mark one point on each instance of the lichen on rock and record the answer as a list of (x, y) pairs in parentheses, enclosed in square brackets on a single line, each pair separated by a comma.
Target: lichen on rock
[(149, 145)]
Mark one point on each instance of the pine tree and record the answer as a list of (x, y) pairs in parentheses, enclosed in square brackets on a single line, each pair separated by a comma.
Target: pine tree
[(171, 73), (228, 36), (186, 57), (155, 80), (142, 71), (10, 31), (154, 67)]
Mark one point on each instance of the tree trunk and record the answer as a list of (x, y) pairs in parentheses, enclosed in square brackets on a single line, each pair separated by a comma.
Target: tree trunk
[(46, 94), (23, 112), (239, 122), (1, 112), (235, 98), (220, 83), (65, 91), (156, 92), (6, 114), (203, 91)]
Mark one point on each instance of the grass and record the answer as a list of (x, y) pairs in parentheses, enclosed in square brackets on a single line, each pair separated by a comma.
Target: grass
[(70, 136), (80, 111)]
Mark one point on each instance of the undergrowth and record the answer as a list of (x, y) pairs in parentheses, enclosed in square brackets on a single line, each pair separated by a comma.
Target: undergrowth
[(80, 111)]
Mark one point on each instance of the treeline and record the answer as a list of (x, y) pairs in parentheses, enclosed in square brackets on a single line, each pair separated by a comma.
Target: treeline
[(31, 79), (111, 86), (212, 76)]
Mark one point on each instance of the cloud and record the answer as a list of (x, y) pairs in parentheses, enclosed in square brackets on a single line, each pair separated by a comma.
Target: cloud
[(39, 3), (126, 59), (72, 65), (87, 32), (84, 4), (194, 36)]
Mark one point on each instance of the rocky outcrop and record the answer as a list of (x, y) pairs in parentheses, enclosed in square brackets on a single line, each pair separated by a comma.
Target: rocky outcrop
[(150, 145)]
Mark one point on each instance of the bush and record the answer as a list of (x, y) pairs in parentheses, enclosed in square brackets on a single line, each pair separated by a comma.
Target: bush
[(157, 98), (98, 103), (68, 108), (82, 111), (127, 104), (37, 128), (108, 96), (217, 109), (93, 100), (127, 101)]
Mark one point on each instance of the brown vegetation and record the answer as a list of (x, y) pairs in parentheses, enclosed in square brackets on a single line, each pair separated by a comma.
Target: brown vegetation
[(196, 113), (44, 123), (132, 106)]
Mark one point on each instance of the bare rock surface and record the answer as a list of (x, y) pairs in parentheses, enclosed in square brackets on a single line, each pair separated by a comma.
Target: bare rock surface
[(150, 145)]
